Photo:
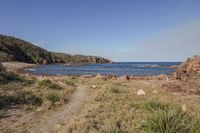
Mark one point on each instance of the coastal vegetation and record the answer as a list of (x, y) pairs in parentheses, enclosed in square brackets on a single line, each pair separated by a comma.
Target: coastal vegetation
[(15, 49), (101, 104)]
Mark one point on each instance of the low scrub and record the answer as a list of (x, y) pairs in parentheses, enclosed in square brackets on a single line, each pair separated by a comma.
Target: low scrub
[(166, 119), (20, 97), (70, 83), (115, 89), (50, 85), (23, 97), (53, 97)]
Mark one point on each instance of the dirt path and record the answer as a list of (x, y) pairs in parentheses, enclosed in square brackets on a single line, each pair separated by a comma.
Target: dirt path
[(56, 120)]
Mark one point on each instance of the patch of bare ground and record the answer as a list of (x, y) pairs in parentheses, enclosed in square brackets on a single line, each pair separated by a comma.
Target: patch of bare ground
[(16, 66), (22, 102)]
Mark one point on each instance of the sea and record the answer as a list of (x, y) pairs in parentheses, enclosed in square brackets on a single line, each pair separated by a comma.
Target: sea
[(117, 68)]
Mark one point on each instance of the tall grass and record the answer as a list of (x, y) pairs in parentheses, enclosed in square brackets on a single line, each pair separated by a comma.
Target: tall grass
[(169, 119)]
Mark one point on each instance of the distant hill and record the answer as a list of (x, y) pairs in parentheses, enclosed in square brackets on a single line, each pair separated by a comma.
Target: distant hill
[(15, 49)]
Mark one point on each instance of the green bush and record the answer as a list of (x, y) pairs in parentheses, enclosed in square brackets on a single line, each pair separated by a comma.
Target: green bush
[(70, 83), (53, 97), (169, 119), (50, 85), (23, 97), (115, 89)]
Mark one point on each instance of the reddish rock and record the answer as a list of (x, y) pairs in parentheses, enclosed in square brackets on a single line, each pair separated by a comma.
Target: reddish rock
[(189, 69)]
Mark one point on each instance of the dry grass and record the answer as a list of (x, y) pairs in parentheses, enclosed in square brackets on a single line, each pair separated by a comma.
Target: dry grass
[(114, 107)]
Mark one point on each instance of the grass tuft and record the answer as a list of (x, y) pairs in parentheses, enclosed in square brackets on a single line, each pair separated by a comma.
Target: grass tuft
[(154, 105), (168, 119), (115, 89), (50, 85), (53, 97)]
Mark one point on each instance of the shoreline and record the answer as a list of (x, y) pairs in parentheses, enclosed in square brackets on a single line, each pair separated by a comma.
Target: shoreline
[(20, 68)]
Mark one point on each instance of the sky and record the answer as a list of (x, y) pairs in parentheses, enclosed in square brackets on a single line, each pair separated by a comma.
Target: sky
[(121, 30)]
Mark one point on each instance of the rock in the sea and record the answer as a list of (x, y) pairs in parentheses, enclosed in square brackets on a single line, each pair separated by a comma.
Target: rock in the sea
[(141, 92), (47, 104), (189, 69)]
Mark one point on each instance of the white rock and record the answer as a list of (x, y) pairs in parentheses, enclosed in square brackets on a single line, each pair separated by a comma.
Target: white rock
[(40, 109), (94, 86), (140, 92), (184, 107)]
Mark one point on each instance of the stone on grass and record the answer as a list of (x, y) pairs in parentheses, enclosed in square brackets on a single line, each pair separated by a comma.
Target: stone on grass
[(184, 107), (141, 92), (57, 103), (94, 86), (40, 109)]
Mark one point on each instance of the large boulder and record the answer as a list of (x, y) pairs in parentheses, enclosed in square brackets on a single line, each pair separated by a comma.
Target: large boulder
[(189, 69)]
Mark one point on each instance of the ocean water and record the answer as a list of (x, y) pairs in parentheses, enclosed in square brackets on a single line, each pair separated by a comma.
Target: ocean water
[(118, 69)]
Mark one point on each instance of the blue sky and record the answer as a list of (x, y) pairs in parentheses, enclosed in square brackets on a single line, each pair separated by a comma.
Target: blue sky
[(121, 30)]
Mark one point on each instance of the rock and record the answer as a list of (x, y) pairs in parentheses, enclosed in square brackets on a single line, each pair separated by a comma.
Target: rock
[(141, 92), (163, 77), (40, 109), (47, 104), (155, 92), (94, 86), (57, 103), (125, 77), (189, 69), (184, 108), (111, 77)]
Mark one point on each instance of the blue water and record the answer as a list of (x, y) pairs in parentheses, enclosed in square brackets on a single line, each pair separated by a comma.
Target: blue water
[(118, 69)]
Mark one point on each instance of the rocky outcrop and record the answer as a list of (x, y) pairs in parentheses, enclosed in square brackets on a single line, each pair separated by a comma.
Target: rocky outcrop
[(189, 69)]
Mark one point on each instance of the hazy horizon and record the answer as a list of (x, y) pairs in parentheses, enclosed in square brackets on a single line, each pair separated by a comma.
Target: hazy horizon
[(122, 31)]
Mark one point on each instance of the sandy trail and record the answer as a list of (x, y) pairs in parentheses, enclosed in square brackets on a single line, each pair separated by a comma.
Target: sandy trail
[(52, 123)]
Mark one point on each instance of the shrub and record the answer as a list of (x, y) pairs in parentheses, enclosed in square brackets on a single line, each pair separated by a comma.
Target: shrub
[(23, 97), (164, 119), (70, 83), (168, 121), (50, 85), (53, 97), (115, 89), (45, 82)]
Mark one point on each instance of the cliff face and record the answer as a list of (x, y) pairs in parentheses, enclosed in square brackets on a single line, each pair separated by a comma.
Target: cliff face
[(189, 69), (14, 49)]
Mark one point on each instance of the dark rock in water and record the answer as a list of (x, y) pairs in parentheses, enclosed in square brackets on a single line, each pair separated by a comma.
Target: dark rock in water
[(189, 69)]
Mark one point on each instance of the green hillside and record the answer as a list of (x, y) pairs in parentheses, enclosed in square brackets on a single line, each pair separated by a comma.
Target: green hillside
[(14, 49)]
